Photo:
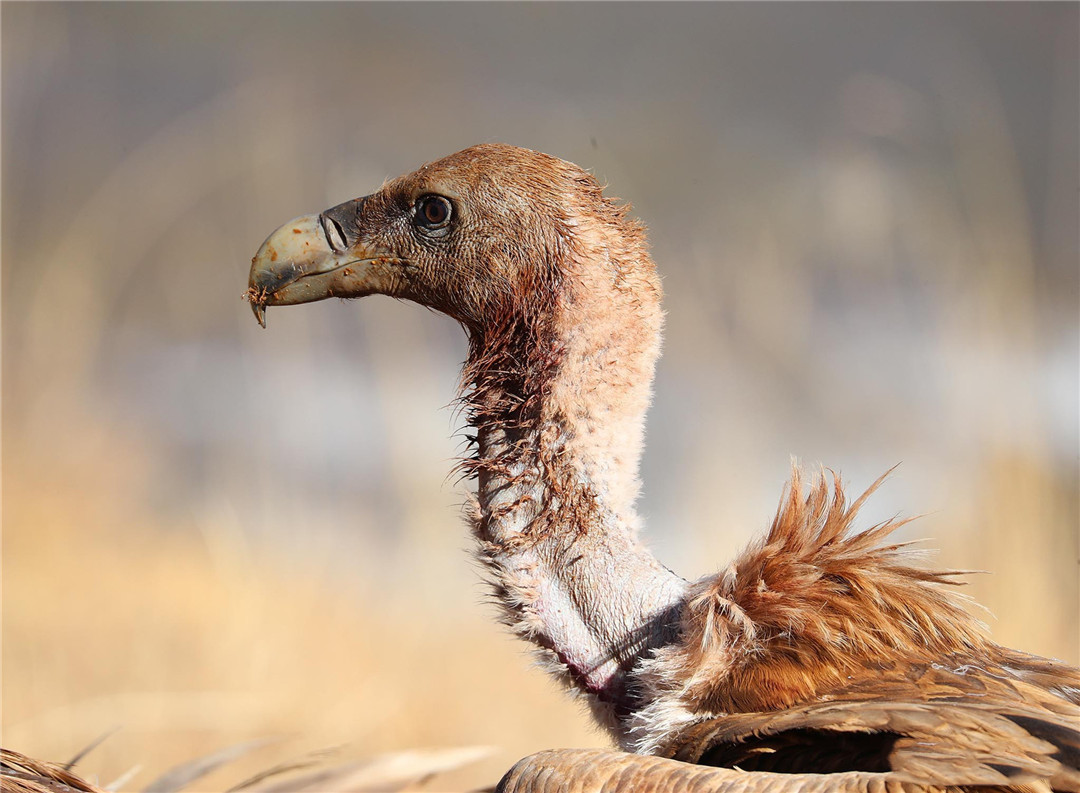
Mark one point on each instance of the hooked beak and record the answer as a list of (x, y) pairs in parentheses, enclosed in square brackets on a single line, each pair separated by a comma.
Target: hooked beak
[(312, 258)]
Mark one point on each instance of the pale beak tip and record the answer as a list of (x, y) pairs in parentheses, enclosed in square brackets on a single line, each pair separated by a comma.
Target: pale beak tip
[(259, 310)]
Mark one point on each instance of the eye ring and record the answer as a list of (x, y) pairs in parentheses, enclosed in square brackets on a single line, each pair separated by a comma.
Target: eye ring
[(433, 212)]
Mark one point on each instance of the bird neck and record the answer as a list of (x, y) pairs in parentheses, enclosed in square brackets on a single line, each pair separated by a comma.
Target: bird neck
[(559, 404)]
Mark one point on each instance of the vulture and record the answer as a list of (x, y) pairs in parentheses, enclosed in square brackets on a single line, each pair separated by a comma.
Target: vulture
[(821, 658)]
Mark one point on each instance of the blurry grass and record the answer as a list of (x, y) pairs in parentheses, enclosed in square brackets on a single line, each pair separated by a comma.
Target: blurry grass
[(139, 627), (396, 771)]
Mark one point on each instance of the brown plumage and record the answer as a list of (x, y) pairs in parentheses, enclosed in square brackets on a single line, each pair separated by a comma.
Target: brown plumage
[(822, 658), (825, 649), (813, 606)]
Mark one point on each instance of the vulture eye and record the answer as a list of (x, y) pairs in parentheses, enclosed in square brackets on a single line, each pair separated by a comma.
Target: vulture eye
[(433, 212)]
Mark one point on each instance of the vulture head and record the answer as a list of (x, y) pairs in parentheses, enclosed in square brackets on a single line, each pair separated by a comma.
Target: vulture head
[(551, 279), (485, 235)]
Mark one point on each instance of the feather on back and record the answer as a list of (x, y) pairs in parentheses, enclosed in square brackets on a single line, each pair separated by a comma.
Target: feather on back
[(816, 632)]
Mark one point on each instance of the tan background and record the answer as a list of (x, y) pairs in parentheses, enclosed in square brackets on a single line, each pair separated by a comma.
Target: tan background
[(866, 219)]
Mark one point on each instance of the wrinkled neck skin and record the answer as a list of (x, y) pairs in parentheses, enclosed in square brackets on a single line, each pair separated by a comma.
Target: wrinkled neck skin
[(559, 412)]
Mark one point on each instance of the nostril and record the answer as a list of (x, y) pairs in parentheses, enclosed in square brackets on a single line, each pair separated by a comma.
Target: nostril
[(335, 235)]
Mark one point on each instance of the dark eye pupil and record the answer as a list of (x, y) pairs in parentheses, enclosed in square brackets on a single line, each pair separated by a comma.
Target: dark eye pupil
[(434, 210)]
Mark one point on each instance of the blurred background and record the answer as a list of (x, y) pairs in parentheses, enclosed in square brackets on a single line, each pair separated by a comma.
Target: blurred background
[(866, 221)]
